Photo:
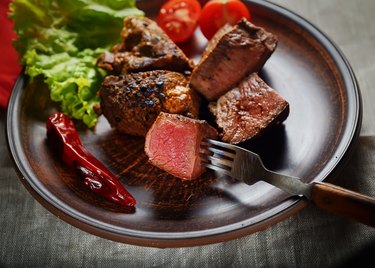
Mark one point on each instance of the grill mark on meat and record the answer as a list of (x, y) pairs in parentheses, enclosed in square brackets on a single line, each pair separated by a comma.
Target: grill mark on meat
[(247, 110), (132, 102), (145, 47), (233, 53)]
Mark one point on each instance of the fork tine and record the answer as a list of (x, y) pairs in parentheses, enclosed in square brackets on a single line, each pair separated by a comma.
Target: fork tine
[(218, 169), (220, 144), (221, 148), (213, 159), (219, 159), (219, 152)]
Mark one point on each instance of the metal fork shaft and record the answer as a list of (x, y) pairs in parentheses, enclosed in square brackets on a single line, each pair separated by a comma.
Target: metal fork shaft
[(289, 184), (247, 167)]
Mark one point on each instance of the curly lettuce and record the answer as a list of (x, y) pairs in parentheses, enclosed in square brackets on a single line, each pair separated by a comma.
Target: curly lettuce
[(61, 40)]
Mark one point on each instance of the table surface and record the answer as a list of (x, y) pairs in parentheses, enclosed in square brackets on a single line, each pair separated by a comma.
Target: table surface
[(32, 236)]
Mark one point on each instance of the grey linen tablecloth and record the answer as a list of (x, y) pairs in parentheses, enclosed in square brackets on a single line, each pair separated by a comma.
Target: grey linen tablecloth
[(30, 236)]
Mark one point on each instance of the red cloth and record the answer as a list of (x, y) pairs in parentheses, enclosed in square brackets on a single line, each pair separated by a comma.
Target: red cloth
[(9, 67)]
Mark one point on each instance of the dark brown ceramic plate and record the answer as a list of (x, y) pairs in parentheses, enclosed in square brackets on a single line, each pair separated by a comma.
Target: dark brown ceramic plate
[(325, 119)]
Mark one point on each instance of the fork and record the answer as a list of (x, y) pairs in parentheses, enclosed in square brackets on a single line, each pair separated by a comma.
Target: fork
[(247, 167)]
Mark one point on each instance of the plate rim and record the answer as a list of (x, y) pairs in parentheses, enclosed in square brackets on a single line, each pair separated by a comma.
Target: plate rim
[(202, 237)]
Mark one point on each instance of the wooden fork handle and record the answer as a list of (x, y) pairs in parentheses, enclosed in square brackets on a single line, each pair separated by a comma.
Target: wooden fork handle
[(344, 202)]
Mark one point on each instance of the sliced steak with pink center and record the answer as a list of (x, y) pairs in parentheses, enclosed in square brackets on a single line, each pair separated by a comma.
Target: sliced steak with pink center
[(173, 144), (248, 109)]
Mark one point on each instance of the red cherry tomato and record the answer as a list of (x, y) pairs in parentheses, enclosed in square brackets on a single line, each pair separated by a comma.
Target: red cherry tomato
[(179, 18), (216, 13)]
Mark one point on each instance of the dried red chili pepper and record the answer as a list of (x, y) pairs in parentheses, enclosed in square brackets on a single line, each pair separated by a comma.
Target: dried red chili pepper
[(62, 133)]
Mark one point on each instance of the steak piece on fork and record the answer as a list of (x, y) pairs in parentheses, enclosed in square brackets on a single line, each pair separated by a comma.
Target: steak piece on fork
[(173, 144)]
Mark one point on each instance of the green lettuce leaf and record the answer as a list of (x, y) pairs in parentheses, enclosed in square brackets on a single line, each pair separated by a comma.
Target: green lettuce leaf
[(61, 40)]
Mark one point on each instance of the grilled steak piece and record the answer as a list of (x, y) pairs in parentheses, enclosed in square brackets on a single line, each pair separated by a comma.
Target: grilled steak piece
[(173, 144), (145, 47), (232, 53), (246, 110), (132, 102)]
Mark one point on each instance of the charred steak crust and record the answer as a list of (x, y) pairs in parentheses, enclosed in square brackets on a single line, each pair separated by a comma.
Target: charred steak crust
[(232, 53), (132, 102), (248, 109), (145, 47), (173, 144)]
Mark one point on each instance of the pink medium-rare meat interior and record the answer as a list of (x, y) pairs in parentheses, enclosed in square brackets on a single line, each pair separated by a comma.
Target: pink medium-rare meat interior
[(173, 144)]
